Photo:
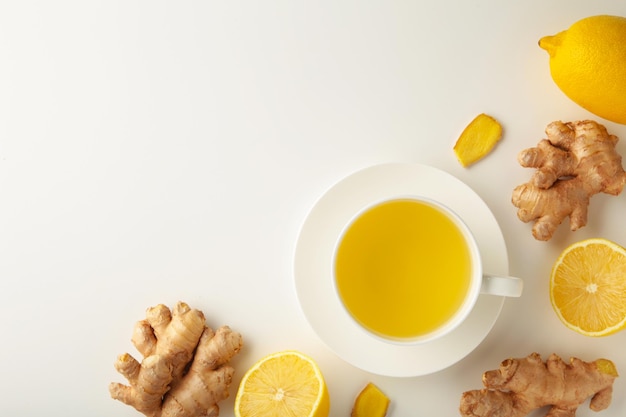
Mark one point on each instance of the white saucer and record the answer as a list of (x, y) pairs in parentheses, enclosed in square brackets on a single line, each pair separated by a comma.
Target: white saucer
[(313, 268)]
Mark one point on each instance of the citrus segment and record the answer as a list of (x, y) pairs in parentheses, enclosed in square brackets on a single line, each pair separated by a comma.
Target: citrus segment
[(285, 384), (588, 287)]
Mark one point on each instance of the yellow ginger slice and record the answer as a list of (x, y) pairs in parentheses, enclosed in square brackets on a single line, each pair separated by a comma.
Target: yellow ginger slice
[(371, 402), (478, 139)]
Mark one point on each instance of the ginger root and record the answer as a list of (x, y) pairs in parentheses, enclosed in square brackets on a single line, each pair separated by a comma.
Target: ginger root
[(576, 161), (185, 370), (523, 385)]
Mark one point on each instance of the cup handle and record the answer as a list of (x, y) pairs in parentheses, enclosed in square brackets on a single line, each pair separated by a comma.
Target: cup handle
[(504, 286)]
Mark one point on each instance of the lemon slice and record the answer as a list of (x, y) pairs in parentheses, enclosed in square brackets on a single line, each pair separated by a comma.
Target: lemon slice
[(588, 287), (371, 402), (287, 384), (477, 139)]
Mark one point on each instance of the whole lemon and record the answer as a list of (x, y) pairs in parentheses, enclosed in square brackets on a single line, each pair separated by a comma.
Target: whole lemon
[(588, 63)]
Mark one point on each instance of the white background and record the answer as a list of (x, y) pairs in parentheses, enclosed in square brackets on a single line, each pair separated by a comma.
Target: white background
[(152, 152)]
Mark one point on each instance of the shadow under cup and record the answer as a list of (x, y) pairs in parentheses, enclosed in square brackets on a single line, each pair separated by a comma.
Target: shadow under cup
[(407, 270)]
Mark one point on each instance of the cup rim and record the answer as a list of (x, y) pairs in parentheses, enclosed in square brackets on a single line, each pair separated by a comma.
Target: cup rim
[(475, 283)]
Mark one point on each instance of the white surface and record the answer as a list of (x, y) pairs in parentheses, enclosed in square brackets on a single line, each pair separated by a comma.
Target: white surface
[(314, 260), (153, 152)]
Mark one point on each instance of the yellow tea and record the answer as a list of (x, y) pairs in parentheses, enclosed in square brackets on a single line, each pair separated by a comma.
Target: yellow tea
[(403, 268)]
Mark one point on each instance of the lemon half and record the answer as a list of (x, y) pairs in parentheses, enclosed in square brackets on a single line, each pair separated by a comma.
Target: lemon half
[(283, 384), (588, 287)]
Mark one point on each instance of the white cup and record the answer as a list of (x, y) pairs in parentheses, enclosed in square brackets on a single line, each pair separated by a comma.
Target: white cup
[(408, 270)]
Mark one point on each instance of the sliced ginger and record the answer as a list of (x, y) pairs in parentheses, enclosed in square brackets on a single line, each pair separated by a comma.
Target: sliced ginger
[(371, 402), (477, 139), (575, 162), (522, 385), (185, 370)]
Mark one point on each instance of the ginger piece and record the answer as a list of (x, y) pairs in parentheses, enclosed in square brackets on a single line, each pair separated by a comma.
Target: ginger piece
[(185, 370), (477, 139), (522, 385), (575, 162), (371, 402)]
